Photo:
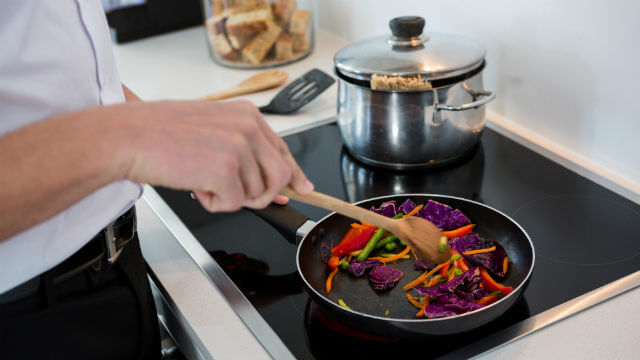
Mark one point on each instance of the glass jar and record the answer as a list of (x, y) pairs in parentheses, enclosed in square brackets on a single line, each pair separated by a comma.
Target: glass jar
[(258, 34)]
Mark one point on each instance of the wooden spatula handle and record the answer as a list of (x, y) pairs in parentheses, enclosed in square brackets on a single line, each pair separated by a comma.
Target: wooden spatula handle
[(342, 207)]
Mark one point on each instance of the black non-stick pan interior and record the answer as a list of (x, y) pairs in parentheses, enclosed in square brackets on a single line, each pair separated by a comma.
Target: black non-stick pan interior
[(358, 294)]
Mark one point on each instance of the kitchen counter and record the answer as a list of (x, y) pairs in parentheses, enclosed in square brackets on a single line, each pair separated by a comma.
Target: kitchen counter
[(604, 330)]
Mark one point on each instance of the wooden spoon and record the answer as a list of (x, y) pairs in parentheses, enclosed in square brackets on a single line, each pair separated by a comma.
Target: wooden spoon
[(261, 81), (421, 235)]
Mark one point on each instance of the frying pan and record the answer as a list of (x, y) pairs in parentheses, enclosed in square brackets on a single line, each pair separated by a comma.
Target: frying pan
[(388, 313)]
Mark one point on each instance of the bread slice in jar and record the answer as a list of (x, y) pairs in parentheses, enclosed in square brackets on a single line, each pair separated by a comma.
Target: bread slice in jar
[(249, 19), (300, 21), (223, 48), (284, 47), (256, 50)]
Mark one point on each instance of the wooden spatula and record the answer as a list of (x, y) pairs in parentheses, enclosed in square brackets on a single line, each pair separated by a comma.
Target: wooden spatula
[(421, 235), (261, 81)]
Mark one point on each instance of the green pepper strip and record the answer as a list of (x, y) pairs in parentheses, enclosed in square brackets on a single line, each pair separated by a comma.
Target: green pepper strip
[(455, 257), (344, 265), (385, 241), (495, 293), (390, 246), (374, 241), (370, 245)]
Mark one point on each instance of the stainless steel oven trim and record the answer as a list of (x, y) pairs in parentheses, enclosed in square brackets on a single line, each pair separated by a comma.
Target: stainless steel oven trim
[(218, 279), (547, 318)]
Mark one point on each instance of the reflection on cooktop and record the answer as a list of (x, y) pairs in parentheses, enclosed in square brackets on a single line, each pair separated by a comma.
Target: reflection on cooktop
[(462, 178), (595, 222)]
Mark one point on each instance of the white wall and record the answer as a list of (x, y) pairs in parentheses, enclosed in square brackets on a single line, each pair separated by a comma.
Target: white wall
[(566, 71)]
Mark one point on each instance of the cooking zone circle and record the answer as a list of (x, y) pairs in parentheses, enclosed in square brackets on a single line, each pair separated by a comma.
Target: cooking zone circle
[(596, 222)]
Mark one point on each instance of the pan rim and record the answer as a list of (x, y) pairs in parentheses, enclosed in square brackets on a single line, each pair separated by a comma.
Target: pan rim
[(459, 316)]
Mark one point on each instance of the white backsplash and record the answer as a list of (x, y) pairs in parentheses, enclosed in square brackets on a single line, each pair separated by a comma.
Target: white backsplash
[(568, 71)]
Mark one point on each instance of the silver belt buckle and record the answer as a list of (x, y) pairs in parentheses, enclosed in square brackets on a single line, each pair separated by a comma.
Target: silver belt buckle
[(110, 239)]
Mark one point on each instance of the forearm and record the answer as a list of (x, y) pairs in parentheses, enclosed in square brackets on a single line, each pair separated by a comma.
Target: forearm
[(48, 166)]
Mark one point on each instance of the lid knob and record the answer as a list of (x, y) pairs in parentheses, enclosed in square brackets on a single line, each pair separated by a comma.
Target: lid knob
[(407, 26)]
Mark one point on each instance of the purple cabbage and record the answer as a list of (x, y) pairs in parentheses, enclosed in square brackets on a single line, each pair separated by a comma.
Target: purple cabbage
[(443, 216), (407, 206), (359, 268), (325, 252), (423, 264), (456, 307), (387, 209), (384, 277), (466, 282), (492, 260), (454, 297)]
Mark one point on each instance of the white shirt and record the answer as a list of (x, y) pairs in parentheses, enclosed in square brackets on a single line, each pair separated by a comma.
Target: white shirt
[(56, 57)]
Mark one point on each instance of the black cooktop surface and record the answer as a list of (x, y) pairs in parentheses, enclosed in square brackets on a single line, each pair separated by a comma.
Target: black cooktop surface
[(584, 236)]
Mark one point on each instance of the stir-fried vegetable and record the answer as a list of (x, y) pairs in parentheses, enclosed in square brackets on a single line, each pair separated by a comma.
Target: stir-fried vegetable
[(461, 284)]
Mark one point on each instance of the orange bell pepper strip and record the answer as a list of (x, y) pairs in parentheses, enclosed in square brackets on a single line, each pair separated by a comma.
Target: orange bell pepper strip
[(461, 231), (491, 285), (487, 300)]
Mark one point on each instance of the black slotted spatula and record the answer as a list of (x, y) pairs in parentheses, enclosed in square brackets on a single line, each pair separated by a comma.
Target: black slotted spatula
[(299, 93)]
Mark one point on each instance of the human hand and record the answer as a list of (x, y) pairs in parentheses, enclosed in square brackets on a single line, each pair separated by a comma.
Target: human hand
[(224, 151)]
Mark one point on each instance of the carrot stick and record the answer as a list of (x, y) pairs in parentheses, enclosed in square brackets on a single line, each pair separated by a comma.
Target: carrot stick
[(351, 233), (366, 224), (359, 226), (330, 279), (452, 275), (393, 258), (422, 277), (434, 280), (459, 231), (414, 211), (445, 269), (414, 301), (421, 312), (473, 252), (505, 264)]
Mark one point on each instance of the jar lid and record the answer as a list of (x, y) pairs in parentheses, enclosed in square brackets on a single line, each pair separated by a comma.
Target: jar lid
[(410, 52)]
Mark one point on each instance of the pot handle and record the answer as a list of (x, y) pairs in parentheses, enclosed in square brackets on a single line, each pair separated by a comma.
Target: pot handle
[(289, 222), (488, 96)]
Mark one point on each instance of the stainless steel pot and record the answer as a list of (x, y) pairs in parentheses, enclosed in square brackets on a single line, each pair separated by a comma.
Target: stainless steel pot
[(405, 129)]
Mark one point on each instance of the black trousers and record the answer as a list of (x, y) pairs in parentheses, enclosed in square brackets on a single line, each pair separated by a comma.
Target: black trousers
[(105, 313)]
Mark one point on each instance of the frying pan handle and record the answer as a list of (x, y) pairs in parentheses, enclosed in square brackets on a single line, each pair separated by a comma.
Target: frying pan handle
[(284, 218)]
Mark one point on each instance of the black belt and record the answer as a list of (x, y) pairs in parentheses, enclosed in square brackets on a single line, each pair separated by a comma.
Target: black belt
[(102, 250)]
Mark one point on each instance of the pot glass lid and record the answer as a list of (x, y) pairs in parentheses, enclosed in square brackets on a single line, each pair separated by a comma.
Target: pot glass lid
[(410, 52)]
